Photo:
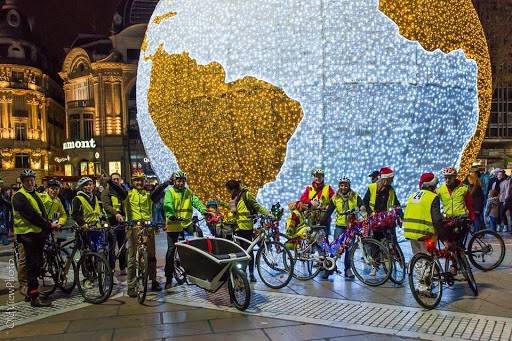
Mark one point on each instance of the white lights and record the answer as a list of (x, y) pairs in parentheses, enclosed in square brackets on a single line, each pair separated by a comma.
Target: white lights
[(370, 97)]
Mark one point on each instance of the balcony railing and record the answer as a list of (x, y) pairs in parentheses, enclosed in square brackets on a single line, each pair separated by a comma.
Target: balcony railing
[(81, 104)]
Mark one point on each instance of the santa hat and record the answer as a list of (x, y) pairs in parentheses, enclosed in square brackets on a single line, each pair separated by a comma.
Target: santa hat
[(386, 173), (428, 180)]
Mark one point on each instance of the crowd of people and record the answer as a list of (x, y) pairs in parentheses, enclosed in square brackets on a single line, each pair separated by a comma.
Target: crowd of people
[(32, 212)]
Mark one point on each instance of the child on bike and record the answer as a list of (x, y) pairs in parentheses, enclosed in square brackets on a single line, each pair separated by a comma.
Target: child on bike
[(213, 218), (295, 225)]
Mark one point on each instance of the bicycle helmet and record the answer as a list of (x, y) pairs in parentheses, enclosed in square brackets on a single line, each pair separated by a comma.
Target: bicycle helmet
[(345, 180), (138, 175), (53, 183), (180, 175), (27, 173), (211, 203), (318, 171), (449, 171), (83, 180)]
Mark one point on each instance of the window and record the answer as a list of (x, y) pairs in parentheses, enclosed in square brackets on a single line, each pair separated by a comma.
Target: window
[(88, 126), (21, 131), (114, 167), (74, 127), (21, 161)]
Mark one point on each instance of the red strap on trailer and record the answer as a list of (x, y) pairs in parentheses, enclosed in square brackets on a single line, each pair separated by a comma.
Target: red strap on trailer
[(210, 245)]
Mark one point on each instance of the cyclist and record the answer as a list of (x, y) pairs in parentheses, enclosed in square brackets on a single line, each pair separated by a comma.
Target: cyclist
[(179, 202), (115, 210), (86, 212), (295, 225), (380, 197), (52, 203), (318, 194), (31, 224), (138, 203), (345, 199), (456, 199), (422, 214), (243, 206)]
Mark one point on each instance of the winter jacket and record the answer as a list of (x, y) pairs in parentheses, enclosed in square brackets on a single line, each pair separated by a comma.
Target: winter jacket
[(493, 207)]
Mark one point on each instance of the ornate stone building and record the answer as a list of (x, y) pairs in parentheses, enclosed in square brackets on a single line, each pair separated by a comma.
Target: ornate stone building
[(496, 16), (31, 114), (99, 76)]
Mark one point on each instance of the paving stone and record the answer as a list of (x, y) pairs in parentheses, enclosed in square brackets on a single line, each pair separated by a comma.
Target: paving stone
[(39, 328), (249, 335), (307, 332), (100, 335), (161, 331), (248, 322), (115, 322)]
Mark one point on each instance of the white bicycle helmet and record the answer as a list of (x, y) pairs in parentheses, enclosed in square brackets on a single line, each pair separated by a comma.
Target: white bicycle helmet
[(83, 180)]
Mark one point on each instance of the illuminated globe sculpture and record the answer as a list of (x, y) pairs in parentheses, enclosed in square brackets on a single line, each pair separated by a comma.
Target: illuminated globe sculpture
[(266, 91)]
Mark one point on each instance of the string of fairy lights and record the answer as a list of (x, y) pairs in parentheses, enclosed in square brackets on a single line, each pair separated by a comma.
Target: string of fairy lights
[(267, 91)]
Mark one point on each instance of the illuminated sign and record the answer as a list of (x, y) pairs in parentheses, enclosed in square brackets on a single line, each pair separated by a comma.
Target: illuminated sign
[(61, 159), (91, 144)]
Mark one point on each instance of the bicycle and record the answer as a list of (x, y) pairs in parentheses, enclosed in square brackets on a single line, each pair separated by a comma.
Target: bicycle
[(384, 223), (315, 253), (144, 230), (95, 277), (426, 278)]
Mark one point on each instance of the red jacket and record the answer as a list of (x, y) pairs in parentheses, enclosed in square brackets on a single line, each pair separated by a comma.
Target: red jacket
[(318, 187)]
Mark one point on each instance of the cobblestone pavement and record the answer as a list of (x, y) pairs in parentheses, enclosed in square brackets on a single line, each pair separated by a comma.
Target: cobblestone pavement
[(312, 305)]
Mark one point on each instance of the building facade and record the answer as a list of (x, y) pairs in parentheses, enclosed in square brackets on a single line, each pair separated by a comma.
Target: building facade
[(99, 75), (31, 113), (496, 16)]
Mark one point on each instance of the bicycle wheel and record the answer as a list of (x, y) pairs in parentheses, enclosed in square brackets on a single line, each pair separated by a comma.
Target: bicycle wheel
[(49, 276), (179, 272), (465, 268), (306, 260), (239, 289), (486, 250), (95, 278), (274, 264), (371, 262), (398, 273), (425, 280), (142, 274), (67, 272)]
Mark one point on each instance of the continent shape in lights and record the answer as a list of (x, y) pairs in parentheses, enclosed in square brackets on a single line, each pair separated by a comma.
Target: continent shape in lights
[(370, 97)]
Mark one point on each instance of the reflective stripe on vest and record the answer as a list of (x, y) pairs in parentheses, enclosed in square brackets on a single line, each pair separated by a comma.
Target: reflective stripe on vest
[(21, 225), (324, 198), (182, 207), (91, 215), (138, 205), (373, 196), (341, 219), (417, 220), (453, 203)]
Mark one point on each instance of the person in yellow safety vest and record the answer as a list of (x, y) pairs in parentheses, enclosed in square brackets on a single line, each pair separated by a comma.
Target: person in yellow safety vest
[(179, 202), (115, 210), (31, 225), (345, 199), (380, 197), (318, 194), (422, 213), (86, 212), (455, 196), (295, 225), (52, 203), (243, 206)]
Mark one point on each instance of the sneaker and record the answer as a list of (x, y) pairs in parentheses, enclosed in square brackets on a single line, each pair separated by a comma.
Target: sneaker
[(168, 284), (252, 279), (373, 272), (424, 290), (132, 293), (87, 284), (155, 286), (349, 274), (326, 274), (39, 302)]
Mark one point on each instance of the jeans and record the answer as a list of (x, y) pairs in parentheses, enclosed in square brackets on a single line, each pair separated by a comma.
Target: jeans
[(118, 237), (249, 235), (131, 235), (337, 232), (493, 224), (478, 223), (33, 244), (172, 238)]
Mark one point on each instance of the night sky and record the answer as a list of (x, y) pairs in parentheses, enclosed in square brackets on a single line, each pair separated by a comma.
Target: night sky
[(58, 22)]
